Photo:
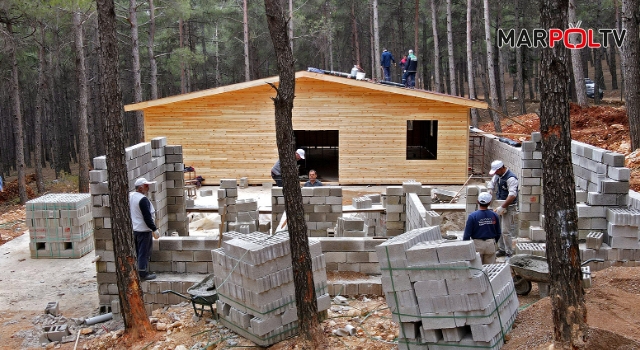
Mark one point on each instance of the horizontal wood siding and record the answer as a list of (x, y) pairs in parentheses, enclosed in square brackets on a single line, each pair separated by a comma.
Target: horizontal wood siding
[(233, 134)]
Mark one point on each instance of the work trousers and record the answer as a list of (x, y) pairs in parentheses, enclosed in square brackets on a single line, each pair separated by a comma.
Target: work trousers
[(411, 79), (508, 224), (277, 179), (387, 73), (144, 242), (487, 250)]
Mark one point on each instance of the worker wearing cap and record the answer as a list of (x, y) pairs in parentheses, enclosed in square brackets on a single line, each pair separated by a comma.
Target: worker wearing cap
[(144, 227), (483, 226), (276, 172), (505, 185)]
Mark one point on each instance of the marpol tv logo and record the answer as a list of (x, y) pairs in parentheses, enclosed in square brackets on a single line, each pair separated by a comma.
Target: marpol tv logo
[(573, 38)]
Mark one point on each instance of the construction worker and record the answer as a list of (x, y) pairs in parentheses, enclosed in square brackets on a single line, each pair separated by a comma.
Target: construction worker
[(483, 226), (385, 63), (410, 70), (505, 184), (313, 180), (144, 227), (276, 172)]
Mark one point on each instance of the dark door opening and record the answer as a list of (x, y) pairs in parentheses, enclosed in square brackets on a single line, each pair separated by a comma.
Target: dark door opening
[(321, 147)]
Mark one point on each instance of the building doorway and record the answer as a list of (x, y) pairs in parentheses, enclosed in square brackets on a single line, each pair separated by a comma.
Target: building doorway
[(322, 153)]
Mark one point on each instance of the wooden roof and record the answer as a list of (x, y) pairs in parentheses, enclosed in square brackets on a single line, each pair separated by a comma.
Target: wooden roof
[(428, 95)]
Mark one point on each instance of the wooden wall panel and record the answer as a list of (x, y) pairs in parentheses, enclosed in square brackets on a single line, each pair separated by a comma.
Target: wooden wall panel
[(233, 134)]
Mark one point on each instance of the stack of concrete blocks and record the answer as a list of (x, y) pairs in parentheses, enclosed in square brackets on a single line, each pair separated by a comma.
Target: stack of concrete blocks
[(373, 223), (247, 216), (394, 204), (353, 254), (254, 280), (148, 160), (602, 175), (442, 296), (538, 249), (60, 225), (622, 234), (350, 226), (176, 199), (363, 202), (227, 197), (244, 182)]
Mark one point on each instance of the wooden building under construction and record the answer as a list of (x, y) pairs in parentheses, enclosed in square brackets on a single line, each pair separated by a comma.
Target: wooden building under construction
[(353, 132)]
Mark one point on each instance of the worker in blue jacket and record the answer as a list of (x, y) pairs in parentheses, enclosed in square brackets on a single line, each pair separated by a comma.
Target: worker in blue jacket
[(483, 226), (385, 63)]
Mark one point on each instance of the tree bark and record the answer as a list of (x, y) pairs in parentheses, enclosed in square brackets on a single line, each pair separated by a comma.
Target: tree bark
[(631, 68), (18, 133), (519, 66), (436, 49), (135, 67), (576, 61), (493, 92), (153, 64), (183, 78), (354, 29), (132, 305), (245, 30), (376, 41), (502, 93), (561, 219), (310, 329), (83, 131), (452, 66), (40, 108), (415, 29)]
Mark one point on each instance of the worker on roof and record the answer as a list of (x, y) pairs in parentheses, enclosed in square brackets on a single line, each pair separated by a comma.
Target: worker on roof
[(410, 69), (385, 63)]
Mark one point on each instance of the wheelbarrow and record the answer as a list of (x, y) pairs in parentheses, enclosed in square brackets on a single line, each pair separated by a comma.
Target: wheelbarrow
[(202, 293), (528, 268)]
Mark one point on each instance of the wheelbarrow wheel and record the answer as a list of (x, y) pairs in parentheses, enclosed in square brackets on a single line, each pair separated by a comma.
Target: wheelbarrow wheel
[(522, 286)]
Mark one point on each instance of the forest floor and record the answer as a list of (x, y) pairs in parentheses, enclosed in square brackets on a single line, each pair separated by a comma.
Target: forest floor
[(613, 301)]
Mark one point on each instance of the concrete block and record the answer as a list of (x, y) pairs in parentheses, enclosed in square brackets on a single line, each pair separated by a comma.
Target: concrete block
[(613, 159)]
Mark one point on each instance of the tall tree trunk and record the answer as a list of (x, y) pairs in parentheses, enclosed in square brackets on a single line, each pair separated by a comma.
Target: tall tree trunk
[(631, 68), (452, 66), (18, 134), (415, 28), (493, 92), (561, 219), (132, 305), (599, 77), (40, 108), (611, 63), (135, 67), (376, 40), (153, 64), (83, 131), (576, 61), (354, 29), (305, 294), (436, 48), (291, 26), (502, 94), (245, 30), (519, 66), (183, 78)]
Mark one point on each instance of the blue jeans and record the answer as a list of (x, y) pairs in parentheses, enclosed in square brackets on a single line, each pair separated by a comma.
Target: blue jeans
[(387, 73), (144, 242)]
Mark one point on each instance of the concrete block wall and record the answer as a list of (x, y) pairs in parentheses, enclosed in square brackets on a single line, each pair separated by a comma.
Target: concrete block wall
[(455, 307), (375, 222), (417, 215), (60, 225), (227, 197), (394, 202), (148, 160), (322, 208), (254, 280), (351, 226)]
